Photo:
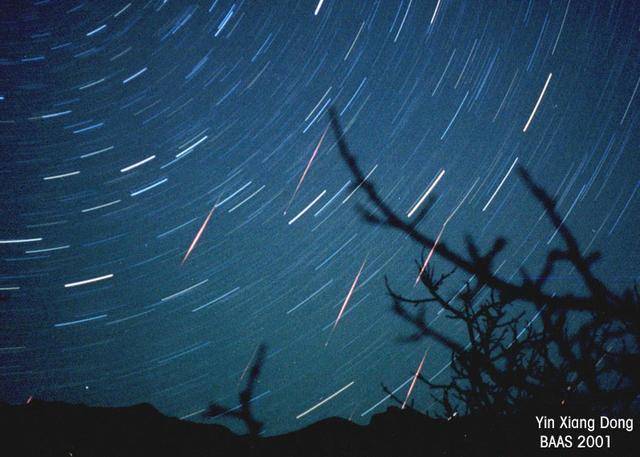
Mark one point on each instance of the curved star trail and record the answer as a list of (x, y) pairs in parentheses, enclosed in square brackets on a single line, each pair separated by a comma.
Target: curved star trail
[(125, 124)]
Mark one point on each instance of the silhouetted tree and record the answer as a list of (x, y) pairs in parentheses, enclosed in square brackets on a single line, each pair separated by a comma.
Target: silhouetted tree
[(527, 346), (243, 412)]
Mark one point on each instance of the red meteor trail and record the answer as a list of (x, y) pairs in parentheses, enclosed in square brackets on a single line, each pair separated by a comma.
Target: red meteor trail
[(444, 225), (313, 156), (415, 378), (198, 235), (244, 372), (346, 299), (426, 262)]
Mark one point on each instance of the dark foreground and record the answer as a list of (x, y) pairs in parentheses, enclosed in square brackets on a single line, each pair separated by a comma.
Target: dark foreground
[(60, 429)]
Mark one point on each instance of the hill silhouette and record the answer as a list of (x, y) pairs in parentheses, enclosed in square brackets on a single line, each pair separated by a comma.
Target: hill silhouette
[(60, 429)]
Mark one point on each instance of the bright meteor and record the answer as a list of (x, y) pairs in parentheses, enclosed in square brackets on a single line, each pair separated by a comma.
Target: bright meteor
[(415, 378), (197, 237)]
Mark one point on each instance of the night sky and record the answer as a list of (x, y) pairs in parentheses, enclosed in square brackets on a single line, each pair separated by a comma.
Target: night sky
[(172, 194)]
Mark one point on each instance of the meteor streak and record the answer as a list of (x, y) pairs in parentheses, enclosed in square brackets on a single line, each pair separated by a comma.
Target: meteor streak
[(415, 378), (346, 299), (244, 372), (313, 156), (426, 262), (444, 225), (198, 235)]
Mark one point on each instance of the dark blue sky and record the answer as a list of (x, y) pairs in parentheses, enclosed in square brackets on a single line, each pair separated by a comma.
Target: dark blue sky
[(172, 198)]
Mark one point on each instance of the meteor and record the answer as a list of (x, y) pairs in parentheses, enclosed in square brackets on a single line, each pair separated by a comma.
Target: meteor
[(346, 299), (426, 262), (198, 235), (415, 378), (444, 225), (244, 372), (313, 156)]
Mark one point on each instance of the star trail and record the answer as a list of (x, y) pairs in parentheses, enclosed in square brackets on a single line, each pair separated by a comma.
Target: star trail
[(173, 196)]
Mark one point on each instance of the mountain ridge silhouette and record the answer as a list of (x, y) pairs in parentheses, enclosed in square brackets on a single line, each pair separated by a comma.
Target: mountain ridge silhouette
[(43, 428)]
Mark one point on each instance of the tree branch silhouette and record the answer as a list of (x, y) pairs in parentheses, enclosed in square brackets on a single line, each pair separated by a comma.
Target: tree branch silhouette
[(527, 346), (243, 412), (525, 290)]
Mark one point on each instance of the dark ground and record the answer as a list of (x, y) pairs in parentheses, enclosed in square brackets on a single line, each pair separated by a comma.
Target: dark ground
[(61, 429)]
